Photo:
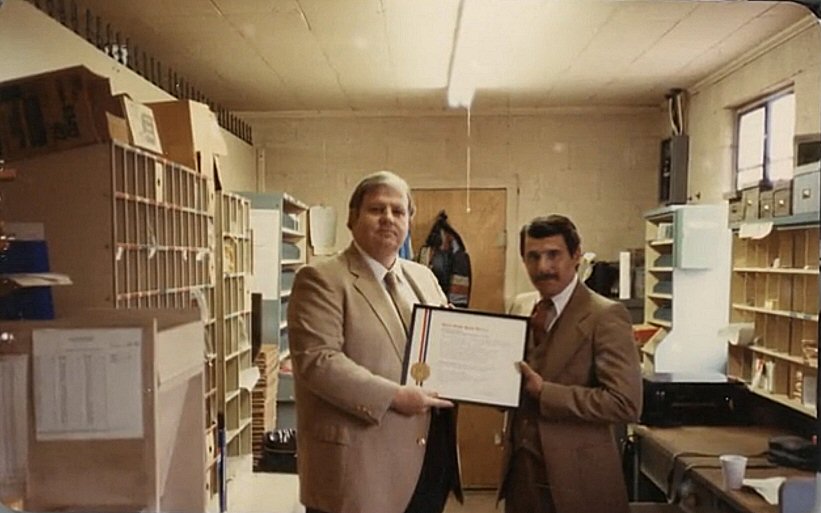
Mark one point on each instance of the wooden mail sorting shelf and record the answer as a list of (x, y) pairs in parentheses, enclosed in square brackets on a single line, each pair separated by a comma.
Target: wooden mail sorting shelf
[(132, 229), (113, 411), (235, 369), (775, 287)]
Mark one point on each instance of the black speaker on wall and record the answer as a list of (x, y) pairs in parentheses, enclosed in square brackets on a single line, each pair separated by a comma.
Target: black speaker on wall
[(673, 170)]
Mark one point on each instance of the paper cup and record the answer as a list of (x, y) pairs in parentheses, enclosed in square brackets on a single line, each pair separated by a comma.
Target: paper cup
[(732, 470)]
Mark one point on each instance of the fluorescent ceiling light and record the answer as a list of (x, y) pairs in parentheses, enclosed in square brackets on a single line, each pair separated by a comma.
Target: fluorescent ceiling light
[(462, 77), (496, 44)]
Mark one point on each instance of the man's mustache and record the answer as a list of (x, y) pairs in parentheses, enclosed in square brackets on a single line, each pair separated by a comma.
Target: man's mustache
[(546, 276)]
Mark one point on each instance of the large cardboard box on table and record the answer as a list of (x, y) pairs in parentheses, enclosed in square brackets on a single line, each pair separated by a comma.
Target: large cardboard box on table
[(190, 134), (120, 428), (55, 111)]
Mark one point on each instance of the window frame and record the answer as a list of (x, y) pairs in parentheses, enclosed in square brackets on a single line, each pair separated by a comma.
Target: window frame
[(766, 103)]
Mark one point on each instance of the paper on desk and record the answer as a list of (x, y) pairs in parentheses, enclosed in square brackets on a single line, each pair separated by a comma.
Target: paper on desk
[(248, 378), (767, 488), (38, 279), (738, 333), (755, 230)]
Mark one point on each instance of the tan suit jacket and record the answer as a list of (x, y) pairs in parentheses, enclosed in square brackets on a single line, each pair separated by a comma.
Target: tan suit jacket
[(592, 380), (355, 454)]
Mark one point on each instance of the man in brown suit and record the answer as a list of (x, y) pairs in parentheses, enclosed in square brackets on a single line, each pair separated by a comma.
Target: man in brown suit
[(581, 375), (367, 444)]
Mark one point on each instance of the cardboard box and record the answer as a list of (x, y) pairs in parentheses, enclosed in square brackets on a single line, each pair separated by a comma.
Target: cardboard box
[(805, 193), (55, 111), (765, 204), (735, 210), (750, 198), (190, 134), (141, 127), (782, 198)]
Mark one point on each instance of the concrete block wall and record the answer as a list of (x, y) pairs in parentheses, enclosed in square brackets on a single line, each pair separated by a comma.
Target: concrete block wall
[(795, 62), (598, 167)]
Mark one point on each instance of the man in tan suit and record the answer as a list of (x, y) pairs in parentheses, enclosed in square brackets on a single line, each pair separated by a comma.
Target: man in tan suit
[(581, 375), (367, 444)]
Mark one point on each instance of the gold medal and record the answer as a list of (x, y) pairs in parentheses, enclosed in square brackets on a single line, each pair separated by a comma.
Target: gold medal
[(420, 371)]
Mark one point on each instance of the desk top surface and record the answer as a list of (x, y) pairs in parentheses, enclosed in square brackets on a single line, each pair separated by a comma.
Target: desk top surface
[(695, 450)]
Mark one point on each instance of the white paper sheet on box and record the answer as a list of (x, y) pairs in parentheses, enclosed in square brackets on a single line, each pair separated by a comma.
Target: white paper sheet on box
[(88, 383)]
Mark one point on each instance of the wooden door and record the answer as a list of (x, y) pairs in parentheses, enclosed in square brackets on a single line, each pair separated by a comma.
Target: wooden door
[(482, 231)]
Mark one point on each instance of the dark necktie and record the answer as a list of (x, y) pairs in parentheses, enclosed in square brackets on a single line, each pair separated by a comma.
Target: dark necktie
[(543, 314), (403, 307)]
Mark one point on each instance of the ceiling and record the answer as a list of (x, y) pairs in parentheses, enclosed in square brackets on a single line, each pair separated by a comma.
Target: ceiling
[(401, 55)]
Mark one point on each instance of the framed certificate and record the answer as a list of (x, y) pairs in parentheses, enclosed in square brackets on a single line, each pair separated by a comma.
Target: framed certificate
[(466, 355)]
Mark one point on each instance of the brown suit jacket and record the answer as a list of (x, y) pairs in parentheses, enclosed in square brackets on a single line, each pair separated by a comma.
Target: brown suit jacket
[(592, 380), (355, 454)]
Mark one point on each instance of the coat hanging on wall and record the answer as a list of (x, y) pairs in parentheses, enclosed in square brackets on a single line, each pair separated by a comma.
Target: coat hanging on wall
[(445, 253)]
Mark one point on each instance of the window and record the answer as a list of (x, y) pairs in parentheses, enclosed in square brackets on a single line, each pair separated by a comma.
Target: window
[(764, 133)]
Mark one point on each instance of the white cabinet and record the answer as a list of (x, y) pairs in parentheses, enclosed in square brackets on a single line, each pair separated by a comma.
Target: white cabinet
[(687, 282), (695, 228)]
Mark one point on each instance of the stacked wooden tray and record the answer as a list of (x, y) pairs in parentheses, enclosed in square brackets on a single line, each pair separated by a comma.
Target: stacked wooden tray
[(264, 397)]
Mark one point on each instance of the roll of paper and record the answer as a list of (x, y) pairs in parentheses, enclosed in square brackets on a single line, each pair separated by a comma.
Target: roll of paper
[(624, 275)]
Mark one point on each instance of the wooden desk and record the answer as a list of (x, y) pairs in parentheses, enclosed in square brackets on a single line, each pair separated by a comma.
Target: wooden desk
[(683, 463)]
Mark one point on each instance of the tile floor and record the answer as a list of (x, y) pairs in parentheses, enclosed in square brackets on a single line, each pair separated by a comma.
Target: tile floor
[(279, 493), (253, 492)]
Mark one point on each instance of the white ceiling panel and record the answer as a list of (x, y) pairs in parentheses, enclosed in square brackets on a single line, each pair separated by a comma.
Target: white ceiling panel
[(290, 52), (383, 55), (420, 37)]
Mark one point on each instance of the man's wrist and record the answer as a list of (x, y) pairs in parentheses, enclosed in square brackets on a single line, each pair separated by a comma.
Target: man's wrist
[(536, 392)]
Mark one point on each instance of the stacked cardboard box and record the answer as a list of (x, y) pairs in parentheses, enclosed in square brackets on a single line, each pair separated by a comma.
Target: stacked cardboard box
[(68, 108), (190, 133)]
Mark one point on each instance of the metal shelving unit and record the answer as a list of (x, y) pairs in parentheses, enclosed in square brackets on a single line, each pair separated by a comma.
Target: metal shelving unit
[(280, 224)]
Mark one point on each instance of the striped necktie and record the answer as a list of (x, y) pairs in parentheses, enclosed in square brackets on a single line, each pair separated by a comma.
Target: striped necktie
[(543, 314), (403, 307)]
